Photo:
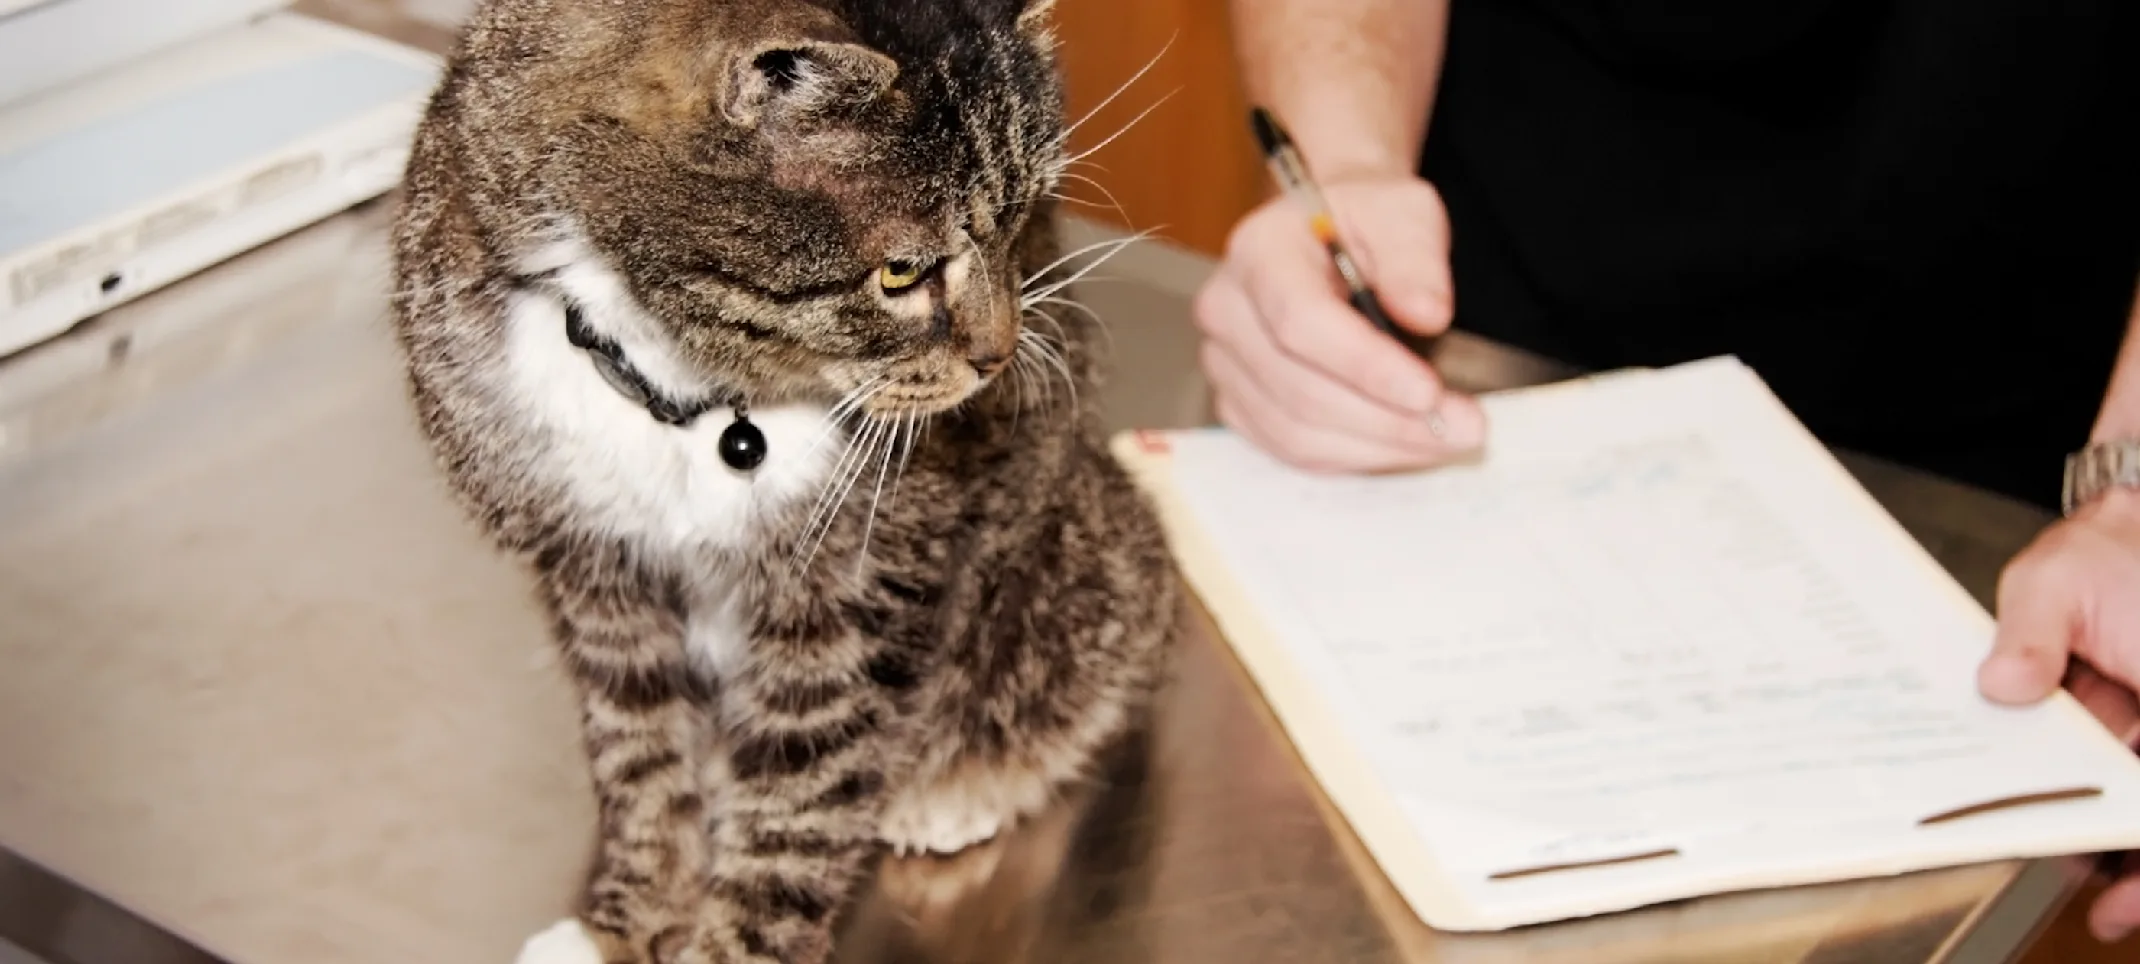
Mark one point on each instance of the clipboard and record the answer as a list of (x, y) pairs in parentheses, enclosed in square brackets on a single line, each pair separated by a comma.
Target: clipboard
[(1214, 492)]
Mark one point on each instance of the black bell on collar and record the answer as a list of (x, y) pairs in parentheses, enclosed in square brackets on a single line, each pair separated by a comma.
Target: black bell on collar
[(742, 444)]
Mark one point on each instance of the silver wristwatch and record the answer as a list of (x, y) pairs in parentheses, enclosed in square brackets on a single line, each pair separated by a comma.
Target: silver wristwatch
[(2100, 466)]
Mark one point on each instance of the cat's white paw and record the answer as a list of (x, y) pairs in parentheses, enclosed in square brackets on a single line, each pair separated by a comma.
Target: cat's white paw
[(941, 832), (565, 942), (952, 815)]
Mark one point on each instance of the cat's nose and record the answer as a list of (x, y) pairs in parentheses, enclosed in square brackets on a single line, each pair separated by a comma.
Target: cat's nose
[(987, 361)]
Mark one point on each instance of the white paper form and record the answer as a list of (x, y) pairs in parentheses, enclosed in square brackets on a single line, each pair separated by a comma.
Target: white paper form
[(1655, 619)]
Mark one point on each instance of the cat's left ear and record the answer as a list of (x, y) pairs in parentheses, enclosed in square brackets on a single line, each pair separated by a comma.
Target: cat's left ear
[(1036, 23), (805, 78)]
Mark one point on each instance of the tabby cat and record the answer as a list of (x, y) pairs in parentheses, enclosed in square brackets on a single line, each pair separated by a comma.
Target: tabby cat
[(716, 313)]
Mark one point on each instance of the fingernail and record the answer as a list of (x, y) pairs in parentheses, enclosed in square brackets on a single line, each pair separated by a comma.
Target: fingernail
[(1457, 427)]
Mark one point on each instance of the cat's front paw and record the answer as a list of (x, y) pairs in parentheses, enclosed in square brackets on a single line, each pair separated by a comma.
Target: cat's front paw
[(565, 942), (955, 814)]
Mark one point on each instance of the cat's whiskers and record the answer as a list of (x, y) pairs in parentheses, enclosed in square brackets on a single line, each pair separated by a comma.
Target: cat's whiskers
[(1060, 170), (836, 496), (1070, 159), (1074, 305), (1113, 201), (869, 524), (913, 427), (1038, 355), (857, 395), (1049, 355), (1040, 314), (877, 442), (900, 437), (1042, 272), (1028, 375), (1064, 137), (1066, 174), (1116, 246), (848, 404), (850, 458), (1071, 304), (1016, 374), (1064, 166), (825, 495), (842, 484), (1067, 199)]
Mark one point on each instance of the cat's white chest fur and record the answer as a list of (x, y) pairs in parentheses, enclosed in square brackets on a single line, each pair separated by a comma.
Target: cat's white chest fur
[(627, 473)]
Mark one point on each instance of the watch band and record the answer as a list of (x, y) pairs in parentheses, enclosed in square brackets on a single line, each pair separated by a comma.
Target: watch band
[(2099, 467)]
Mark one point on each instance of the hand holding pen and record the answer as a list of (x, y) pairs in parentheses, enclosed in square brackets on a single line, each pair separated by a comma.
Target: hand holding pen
[(1292, 175), (1306, 318)]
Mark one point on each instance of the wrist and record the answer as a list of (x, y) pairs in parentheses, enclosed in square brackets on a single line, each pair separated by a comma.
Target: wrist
[(1340, 149), (2101, 470), (1361, 160), (1340, 141), (1354, 82), (2119, 418), (2115, 425)]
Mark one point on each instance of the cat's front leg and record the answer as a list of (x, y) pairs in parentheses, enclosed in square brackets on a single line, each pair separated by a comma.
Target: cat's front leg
[(644, 724), (816, 739)]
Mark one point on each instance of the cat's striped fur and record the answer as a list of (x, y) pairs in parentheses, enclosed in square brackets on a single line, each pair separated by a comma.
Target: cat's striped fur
[(939, 599)]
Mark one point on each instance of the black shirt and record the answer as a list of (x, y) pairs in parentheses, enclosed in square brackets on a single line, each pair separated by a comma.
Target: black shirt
[(1918, 220)]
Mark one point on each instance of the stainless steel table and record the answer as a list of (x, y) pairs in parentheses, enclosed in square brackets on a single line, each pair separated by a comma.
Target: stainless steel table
[(262, 687)]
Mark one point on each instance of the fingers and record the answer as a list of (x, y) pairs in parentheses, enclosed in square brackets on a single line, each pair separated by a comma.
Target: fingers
[(2116, 913), (1301, 373), (1295, 302), (2039, 613), (2109, 612), (2074, 592), (1294, 434), (1402, 243), (2115, 706), (1293, 403)]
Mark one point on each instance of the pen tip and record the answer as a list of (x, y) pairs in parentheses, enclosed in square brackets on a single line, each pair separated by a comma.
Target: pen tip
[(1269, 135)]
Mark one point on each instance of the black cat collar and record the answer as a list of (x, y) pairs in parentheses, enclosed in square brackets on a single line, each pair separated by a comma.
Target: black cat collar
[(742, 444)]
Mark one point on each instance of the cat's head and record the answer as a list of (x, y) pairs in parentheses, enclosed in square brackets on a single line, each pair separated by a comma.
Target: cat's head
[(809, 196)]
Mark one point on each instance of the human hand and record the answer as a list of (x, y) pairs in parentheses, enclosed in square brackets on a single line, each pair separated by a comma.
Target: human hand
[(1303, 375), (2069, 611)]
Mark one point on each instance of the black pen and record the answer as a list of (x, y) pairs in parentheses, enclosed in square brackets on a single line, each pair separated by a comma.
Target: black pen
[(1292, 175)]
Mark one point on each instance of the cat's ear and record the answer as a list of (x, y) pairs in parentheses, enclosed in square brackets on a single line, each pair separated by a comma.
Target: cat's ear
[(1036, 23), (805, 78)]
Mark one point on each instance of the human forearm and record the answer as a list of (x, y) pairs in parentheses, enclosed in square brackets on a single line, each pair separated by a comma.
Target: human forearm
[(2120, 415), (1353, 81)]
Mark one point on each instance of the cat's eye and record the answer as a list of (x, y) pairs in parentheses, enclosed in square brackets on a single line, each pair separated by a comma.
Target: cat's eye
[(898, 275)]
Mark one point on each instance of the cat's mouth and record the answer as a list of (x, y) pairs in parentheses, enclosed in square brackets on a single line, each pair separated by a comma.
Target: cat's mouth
[(899, 406), (916, 388)]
